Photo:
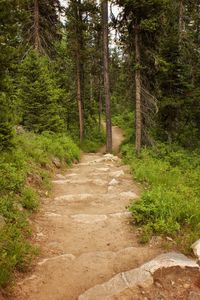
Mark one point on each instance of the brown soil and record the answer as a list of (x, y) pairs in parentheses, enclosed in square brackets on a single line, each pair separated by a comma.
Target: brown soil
[(84, 231), (169, 284)]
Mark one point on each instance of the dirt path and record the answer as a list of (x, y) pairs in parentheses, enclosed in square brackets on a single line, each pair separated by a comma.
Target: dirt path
[(84, 230)]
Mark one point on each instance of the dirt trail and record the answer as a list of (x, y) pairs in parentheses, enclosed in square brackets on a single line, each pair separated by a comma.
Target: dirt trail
[(84, 230)]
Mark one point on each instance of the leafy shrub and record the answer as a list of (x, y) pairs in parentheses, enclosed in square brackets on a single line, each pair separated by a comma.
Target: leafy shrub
[(29, 199), (30, 155), (170, 205), (94, 140)]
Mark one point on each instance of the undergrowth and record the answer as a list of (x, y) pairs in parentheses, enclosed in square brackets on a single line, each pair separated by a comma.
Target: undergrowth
[(169, 204), (94, 140), (24, 173)]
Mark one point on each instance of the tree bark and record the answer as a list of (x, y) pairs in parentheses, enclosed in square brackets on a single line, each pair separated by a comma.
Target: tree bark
[(37, 40), (106, 77), (138, 117), (79, 69)]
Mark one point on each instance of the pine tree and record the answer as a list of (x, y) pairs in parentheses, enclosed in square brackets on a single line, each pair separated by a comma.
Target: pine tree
[(40, 96)]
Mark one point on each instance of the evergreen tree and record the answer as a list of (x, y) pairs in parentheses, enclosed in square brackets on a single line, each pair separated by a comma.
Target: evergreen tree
[(40, 96)]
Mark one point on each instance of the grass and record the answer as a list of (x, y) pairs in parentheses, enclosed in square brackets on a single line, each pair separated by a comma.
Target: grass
[(169, 204), (23, 172), (94, 140)]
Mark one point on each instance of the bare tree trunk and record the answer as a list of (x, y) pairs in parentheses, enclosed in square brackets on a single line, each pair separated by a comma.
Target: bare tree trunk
[(79, 98), (106, 77), (138, 118), (37, 40), (79, 69), (99, 107)]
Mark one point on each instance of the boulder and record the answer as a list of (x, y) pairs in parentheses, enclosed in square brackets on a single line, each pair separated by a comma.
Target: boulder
[(196, 249), (56, 161)]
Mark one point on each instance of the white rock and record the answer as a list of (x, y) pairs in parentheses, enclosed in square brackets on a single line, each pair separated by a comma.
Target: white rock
[(63, 256), (61, 181), (141, 277), (74, 197), (50, 214), (113, 182), (111, 157), (121, 214), (60, 176), (196, 248), (117, 174), (71, 175), (168, 260), (89, 219), (103, 169)]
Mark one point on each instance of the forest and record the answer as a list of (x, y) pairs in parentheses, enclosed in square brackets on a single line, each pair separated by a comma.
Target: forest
[(72, 70)]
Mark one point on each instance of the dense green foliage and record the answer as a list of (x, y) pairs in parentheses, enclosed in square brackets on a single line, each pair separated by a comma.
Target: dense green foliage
[(50, 65), (24, 172), (169, 204)]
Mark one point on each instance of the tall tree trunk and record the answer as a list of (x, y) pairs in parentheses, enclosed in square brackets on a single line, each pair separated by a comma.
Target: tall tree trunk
[(106, 77), (99, 107), (37, 40), (79, 98), (138, 117), (79, 68)]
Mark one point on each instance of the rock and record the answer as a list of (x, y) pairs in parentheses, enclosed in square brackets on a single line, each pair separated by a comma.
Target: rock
[(60, 176), (89, 219), (118, 284), (56, 161), (34, 179), (196, 249), (2, 222), (74, 198), (59, 257), (141, 277), (19, 129), (61, 181), (193, 296), (103, 169), (111, 157), (113, 182), (168, 260), (117, 174), (121, 214)]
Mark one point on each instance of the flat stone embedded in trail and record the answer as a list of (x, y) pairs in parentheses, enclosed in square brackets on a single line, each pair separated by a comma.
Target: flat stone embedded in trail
[(63, 256), (139, 277), (117, 174), (89, 219), (113, 182), (76, 197), (103, 169), (51, 214), (61, 181)]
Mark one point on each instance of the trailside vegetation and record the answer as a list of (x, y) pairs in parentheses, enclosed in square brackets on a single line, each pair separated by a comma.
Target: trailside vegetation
[(64, 72), (24, 178)]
